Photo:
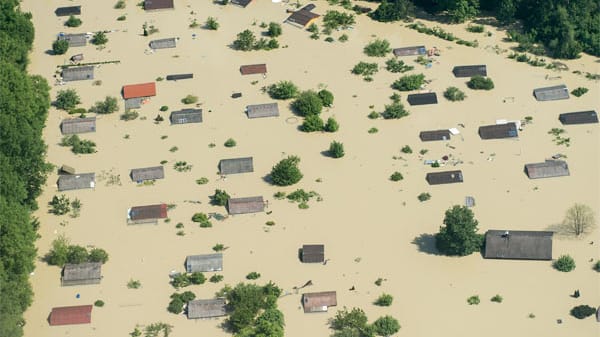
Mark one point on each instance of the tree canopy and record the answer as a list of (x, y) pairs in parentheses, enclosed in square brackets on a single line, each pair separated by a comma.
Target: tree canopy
[(459, 235), (253, 310), (286, 172)]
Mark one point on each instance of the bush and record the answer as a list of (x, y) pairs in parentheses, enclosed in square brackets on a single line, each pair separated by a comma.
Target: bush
[(394, 111), (334, 20), (211, 23), (394, 65), (406, 149), (120, 4), (365, 69), (374, 115), (134, 284), (197, 278), (274, 29), (216, 278), (283, 90), (122, 18), (108, 106), (313, 28), (98, 255), (99, 39), (202, 181), (480, 83), (253, 275), (189, 99), (175, 306), (129, 115), (230, 142), (454, 94), (202, 219), (329, 39), (164, 108), (59, 47), (459, 234), (580, 91), (473, 300), (326, 97), (312, 123), (386, 326), (582, 311), (220, 198), (308, 103), (343, 38), (286, 172), (377, 48), (245, 41), (336, 149), (396, 176), (78, 145), (597, 266), (424, 196), (409, 82), (331, 125), (180, 281), (73, 22), (475, 28), (385, 300), (564, 263), (497, 299), (99, 303), (60, 205), (373, 130)]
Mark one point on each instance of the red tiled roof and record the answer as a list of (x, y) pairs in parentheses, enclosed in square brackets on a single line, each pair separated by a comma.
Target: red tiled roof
[(79, 314), (139, 90)]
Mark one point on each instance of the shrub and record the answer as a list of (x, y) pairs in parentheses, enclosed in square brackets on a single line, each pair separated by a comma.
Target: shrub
[(189, 99), (78, 145), (122, 18), (230, 142), (597, 266), (409, 82), (308, 103), (564, 263), (386, 326), (394, 111), (473, 300), (180, 281), (373, 130), (286, 172), (475, 28), (73, 22), (202, 219), (99, 303), (220, 198), (365, 69), (580, 91), (312, 123), (497, 299), (245, 41), (211, 23), (313, 28), (406, 149), (59, 47), (374, 115), (253, 275), (98, 255), (272, 44), (202, 181), (326, 97), (331, 125), (129, 115), (377, 48), (182, 166), (108, 106), (99, 39), (216, 278), (283, 90), (379, 282), (134, 284), (60, 205), (329, 39), (164, 108), (454, 94), (218, 247), (197, 278), (334, 20), (394, 65), (175, 306), (120, 4), (274, 29), (384, 300), (343, 38), (424, 196), (582, 311), (396, 176), (480, 83), (336, 149)]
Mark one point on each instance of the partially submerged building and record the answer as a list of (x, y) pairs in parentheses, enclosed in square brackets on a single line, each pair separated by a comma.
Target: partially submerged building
[(410, 51), (147, 173), (302, 18), (470, 71), (153, 5), (78, 125), (547, 169), (319, 302), (81, 274), (68, 11), (204, 263), (422, 99), (262, 110), (251, 69), (186, 116), (241, 3), (498, 131), (163, 43), (201, 309), (313, 253), (77, 73), (518, 245), (79, 314), (146, 214), (74, 40), (76, 181), (245, 205), (551, 93), (446, 177), (433, 135), (236, 165), (580, 117), (141, 90), (177, 77)]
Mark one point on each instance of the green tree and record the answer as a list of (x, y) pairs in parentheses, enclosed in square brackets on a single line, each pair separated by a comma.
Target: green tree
[(60, 205), (334, 20), (480, 83), (355, 318), (459, 235), (308, 103), (564, 263), (384, 300), (582, 311), (274, 29), (393, 10), (73, 22), (386, 326), (462, 10), (175, 306), (108, 106), (377, 48), (197, 278), (286, 172), (283, 90), (245, 41), (246, 301), (312, 123), (331, 125), (59, 47), (58, 254), (409, 82), (220, 198), (454, 94), (77, 254), (336, 149), (67, 99), (394, 111), (99, 39), (98, 255), (211, 23), (326, 97)]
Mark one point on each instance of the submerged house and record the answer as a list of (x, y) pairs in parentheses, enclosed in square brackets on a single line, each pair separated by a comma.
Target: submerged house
[(204, 263), (200, 309), (422, 99), (141, 90), (68, 11), (177, 77), (79, 314), (302, 18), (470, 71), (245, 205), (77, 73), (236, 165), (410, 51), (74, 40), (147, 173), (186, 116), (433, 135), (319, 302), (446, 177), (519, 245), (547, 169), (146, 214), (581, 117), (76, 181), (72, 126), (313, 253), (498, 131), (251, 69), (163, 43), (241, 3), (152, 5), (81, 273), (551, 93), (262, 110)]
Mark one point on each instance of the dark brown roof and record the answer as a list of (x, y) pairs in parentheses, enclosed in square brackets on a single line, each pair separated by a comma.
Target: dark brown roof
[(433, 135), (498, 131), (319, 302), (470, 71), (158, 4), (80, 314), (245, 205), (206, 308), (581, 117), (547, 169), (176, 77), (147, 173), (148, 212), (251, 69), (302, 17), (447, 177), (410, 51), (524, 245), (81, 273), (313, 253), (241, 3)]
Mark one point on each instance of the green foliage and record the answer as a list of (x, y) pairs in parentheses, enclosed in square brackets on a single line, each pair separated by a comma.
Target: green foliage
[(253, 276), (579, 91), (312, 123), (454, 94), (329, 39), (59, 47), (202, 181), (313, 28), (283, 90), (480, 83), (175, 306), (379, 282), (211, 23), (377, 48), (301, 195), (336, 149), (60, 205), (331, 125), (99, 38), (308, 103), (365, 69), (596, 266), (497, 299), (475, 28), (254, 308), (245, 41), (473, 300), (582, 311), (197, 278), (122, 18), (279, 195), (133, 284), (216, 278), (326, 97), (564, 263), (154, 329), (343, 38), (99, 303), (220, 198), (108, 106), (73, 22), (98, 255), (286, 172), (374, 115), (394, 65), (181, 166), (393, 10), (409, 82), (129, 115), (120, 4), (274, 29), (373, 130), (396, 176), (202, 219), (180, 281), (386, 326), (335, 20), (384, 300), (63, 252), (406, 149), (189, 99), (78, 146), (394, 111), (459, 235), (460, 11), (230, 143), (353, 319)]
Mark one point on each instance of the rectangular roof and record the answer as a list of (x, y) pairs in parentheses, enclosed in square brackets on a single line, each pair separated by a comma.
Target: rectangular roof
[(147, 173), (82, 273), (521, 245), (319, 302), (78, 73), (470, 71), (313, 253), (176, 77), (302, 18), (262, 110), (245, 205), (158, 211), (139, 90), (547, 169), (446, 177), (236, 165), (498, 131), (163, 43), (133, 103), (186, 116), (204, 263), (410, 51), (79, 314), (433, 135), (422, 99), (78, 125), (242, 3), (580, 117), (551, 93), (75, 40), (206, 308), (251, 69), (158, 4), (76, 181), (68, 11)]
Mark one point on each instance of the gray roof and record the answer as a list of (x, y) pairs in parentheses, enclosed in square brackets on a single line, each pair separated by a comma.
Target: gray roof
[(163, 43), (410, 51), (236, 165), (547, 169), (78, 73), (580, 117), (433, 135), (82, 273), (147, 173), (133, 103), (175, 77), (313, 253), (241, 3), (245, 205), (186, 116), (206, 308), (319, 302), (76, 181), (75, 40), (470, 71), (262, 110), (150, 5), (446, 177), (68, 11), (551, 93), (422, 99), (204, 263), (523, 245), (498, 131), (78, 125)]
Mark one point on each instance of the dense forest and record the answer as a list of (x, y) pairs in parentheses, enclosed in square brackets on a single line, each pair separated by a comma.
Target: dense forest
[(565, 27), (24, 103)]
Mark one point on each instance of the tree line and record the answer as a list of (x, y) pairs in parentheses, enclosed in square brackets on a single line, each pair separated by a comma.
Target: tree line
[(24, 107)]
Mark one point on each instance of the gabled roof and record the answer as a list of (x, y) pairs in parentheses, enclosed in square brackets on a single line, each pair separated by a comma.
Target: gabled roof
[(76, 181), (410, 51), (319, 302), (551, 93), (139, 90), (186, 116), (158, 4), (446, 177), (313, 253), (204, 263), (206, 308), (302, 18), (245, 205), (78, 73), (236, 165), (80, 314), (251, 69), (75, 40), (147, 173), (547, 169), (498, 131), (133, 103), (68, 11), (470, 71), (433, 135), (581, 117), (422, 99), (81, 273), (262, 110), (78, 125), (158, 211), (522, 245), (163, 43)]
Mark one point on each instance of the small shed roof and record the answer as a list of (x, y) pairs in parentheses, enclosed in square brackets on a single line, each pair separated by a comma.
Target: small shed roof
[(410, 51), (422, 99), (547, 169), (75, 40), (82, 273), (133, 103), (551, 93), (427, 136), (76, 181), (319, 302), (251, 69), (313, 253), (521, 245), (262, 110), (163, 43), (78, 125), (302, 18), (204, 263), (147, 173), (79, 314), (446, 177), (470, 71), (236, 165), (245, 205), (186, 116), (66, 169), (241, 3), (150, 5), (206, 308), (139, 90), (77, 57), (148, 212), (176, 77), (68, 11), (580, 117), (498, 131), (78, 73)]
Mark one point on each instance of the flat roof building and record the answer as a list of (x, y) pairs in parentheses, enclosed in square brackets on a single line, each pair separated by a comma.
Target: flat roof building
[(581, 117), (422, 99), (251, 69), (78, 125), (410, 51), (498, 131), (518, 245), (313, 253), (470, 71), (186, 116), (151, 5), (147, 173), (433, 135), (77, 73), (553, 93)]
